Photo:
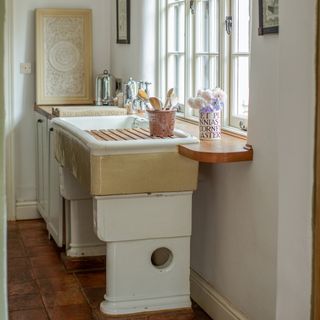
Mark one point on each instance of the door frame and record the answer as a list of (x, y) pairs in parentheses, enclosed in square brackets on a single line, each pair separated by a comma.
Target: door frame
[(316, 195), (9, 111)]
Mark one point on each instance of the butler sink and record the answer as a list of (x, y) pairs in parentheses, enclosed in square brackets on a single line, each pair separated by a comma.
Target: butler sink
[(116, 155)]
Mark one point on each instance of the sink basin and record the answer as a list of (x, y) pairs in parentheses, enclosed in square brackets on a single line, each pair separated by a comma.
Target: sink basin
[(79, 127), (115, 155)]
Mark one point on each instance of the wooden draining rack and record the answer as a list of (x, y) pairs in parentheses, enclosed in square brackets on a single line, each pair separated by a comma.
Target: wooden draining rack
[(123, 134)]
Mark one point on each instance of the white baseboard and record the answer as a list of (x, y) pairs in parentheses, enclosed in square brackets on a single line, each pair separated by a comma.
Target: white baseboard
[(216, 306), (27, 210)]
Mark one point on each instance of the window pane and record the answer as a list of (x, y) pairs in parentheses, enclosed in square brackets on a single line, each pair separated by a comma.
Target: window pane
[(241, 31), (207, 25), (206, 72), (175, 74), (240, 86), (175, 29)]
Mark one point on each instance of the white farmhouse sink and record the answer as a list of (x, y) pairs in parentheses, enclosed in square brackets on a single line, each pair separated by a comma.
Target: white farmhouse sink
[(123, 167), (77, 126), (115, 122)]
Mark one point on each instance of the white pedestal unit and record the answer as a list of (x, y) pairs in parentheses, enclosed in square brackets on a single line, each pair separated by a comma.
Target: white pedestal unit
[(81, 241), (80, 238), (141, 208), (148, 251)]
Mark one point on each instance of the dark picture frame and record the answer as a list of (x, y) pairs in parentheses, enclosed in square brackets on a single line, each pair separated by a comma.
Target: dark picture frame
[(123, 21), (268, 17)]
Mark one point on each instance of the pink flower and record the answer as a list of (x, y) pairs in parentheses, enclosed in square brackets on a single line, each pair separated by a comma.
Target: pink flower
[(219, 94), (199, 102), (191, 102), (215, 98), (196, 103), (207, 95)]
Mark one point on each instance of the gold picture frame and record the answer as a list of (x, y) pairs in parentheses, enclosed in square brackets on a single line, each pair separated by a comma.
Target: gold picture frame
[(64, 56)]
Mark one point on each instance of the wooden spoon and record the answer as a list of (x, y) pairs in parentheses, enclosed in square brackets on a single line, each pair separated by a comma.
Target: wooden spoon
[(143, 95), (156, 103), (168, 99)]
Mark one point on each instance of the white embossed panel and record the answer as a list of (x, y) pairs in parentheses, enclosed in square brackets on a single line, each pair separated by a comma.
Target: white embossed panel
[(65, 72)]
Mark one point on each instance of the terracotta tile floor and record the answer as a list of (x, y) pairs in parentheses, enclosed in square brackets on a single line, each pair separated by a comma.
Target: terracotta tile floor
[(39, 287)]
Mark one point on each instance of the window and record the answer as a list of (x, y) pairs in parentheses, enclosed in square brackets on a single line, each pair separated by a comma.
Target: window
[(206, 44)]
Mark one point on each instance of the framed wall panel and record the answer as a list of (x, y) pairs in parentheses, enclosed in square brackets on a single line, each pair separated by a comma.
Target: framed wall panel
[(123, 21), (64, 56)]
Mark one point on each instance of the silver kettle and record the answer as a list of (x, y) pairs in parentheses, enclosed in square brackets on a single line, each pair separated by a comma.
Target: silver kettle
[(105, 88)]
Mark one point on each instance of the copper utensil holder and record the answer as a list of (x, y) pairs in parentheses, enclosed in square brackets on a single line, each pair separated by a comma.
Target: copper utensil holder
[(161, 122)]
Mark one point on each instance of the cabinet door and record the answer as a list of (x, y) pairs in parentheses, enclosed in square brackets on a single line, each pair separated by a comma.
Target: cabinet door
[(41, 133), (45, 139), (55, 218)]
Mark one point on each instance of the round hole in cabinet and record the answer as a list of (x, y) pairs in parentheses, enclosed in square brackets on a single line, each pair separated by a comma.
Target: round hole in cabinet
[(161, 258)]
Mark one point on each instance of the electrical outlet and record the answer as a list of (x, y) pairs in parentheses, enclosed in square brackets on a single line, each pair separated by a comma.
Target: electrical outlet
[(25, 68)]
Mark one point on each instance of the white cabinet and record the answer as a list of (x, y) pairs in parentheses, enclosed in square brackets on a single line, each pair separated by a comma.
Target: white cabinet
[(49, 201)]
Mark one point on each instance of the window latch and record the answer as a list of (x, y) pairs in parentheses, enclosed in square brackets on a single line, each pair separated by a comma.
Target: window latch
[(242, 126), (192, 6), (228, 23)]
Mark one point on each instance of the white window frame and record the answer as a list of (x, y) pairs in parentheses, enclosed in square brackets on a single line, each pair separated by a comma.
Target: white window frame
[(233, 119), (230, 123)]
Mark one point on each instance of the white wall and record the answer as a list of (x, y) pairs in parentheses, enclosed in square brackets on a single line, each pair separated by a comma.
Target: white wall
[(24, 85), (235, 215), (137, 59), (296, 117), (234, 242), (252, 222), (3, 215)]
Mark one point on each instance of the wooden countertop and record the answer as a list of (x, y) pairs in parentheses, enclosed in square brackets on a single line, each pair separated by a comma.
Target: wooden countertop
[(228, 149), (44, 110), (78, 111)]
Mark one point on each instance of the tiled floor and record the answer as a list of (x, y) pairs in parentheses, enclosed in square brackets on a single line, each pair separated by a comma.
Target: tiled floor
[(39, 287)]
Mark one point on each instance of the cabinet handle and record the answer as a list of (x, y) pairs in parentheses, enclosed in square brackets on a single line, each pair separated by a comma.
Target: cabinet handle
[(40, 121), (51, 129)]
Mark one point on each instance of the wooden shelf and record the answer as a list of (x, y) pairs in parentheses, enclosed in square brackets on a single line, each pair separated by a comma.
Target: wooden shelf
[(228, 149)]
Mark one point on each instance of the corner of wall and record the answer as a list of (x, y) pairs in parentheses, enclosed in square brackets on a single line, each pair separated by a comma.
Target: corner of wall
[(3, 255)]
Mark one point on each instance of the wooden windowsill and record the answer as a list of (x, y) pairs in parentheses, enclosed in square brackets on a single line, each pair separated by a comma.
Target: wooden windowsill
[(228, 149)]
